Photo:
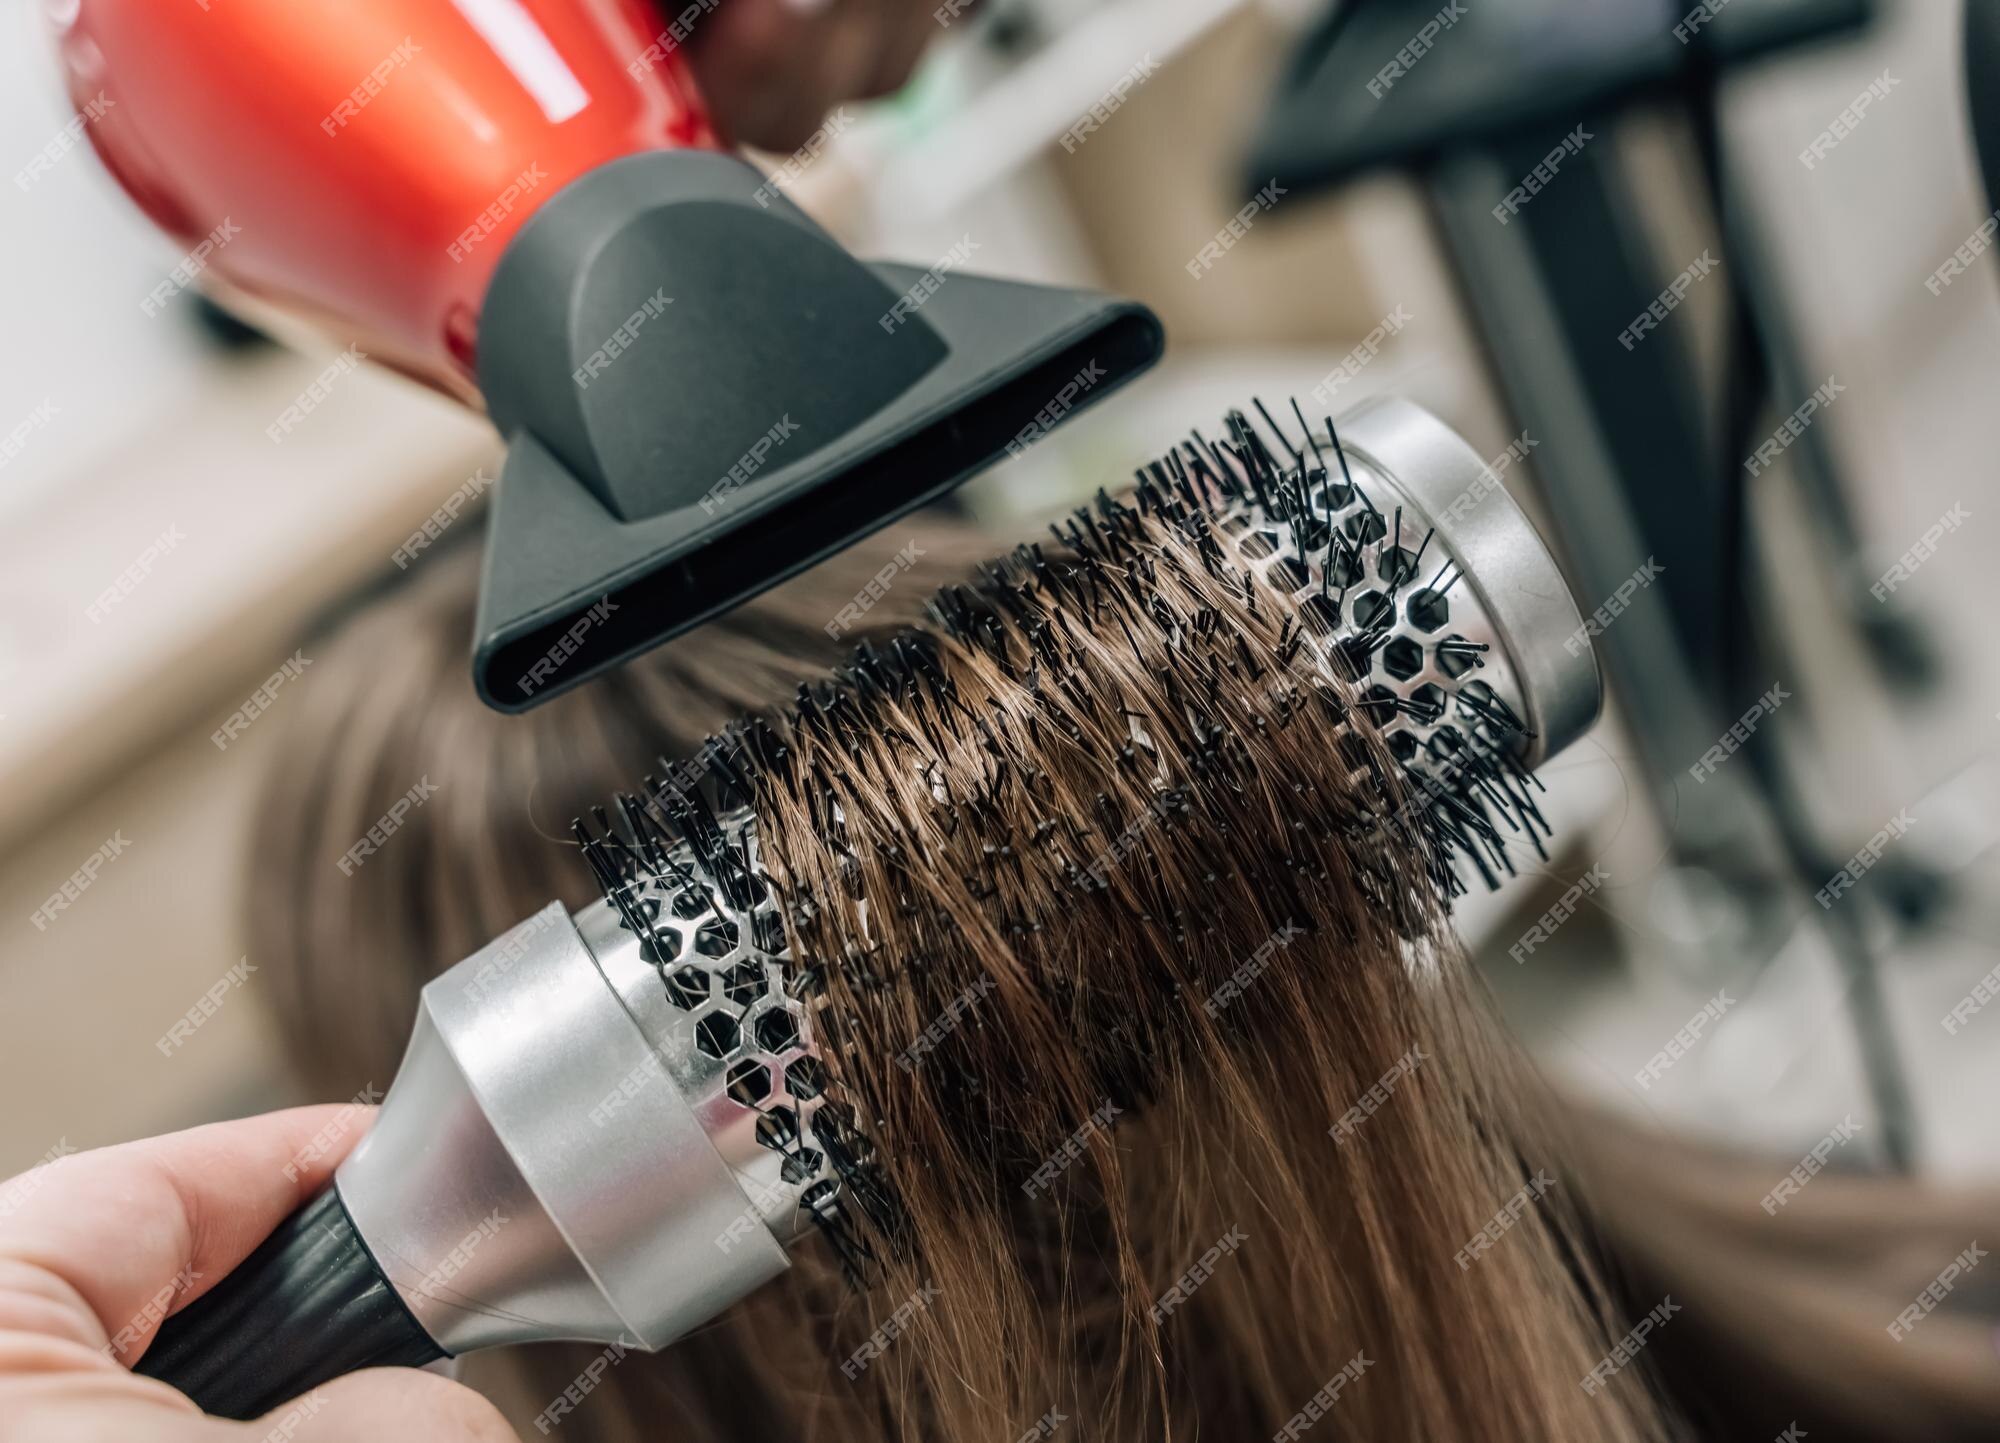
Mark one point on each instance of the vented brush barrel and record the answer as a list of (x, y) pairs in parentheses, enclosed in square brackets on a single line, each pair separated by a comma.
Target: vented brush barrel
[(533, 1123), (1502, 587), (603, 1129), (612, 1126), (557, 1158)]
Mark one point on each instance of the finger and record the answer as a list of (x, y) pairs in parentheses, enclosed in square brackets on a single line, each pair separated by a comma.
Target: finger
[(389, 1404), (101, 1404), (908, 28), (763, 67), (139, 1230), (854, 41), (379, 1405)]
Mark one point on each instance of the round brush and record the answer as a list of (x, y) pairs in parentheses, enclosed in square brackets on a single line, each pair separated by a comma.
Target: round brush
[(612, 1125)]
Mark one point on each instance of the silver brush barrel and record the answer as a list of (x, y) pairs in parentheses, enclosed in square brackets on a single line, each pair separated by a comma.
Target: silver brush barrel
[(1424, 588), (1512, 595), (557, 1157), (606, 1127), (612, 1126)]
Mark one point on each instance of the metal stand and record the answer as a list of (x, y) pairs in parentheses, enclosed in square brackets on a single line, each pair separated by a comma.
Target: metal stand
[(1629, 478), (1629, 461)]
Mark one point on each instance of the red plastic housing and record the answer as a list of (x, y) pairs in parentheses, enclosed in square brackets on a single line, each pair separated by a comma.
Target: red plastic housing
[(368, 160)]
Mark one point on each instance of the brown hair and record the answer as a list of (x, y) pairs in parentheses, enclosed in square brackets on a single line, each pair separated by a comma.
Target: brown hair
[(1171, 875), (1791, 1304), (1115, 840)]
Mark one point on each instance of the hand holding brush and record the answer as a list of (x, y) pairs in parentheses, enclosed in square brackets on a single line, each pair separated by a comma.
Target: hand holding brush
[(98, 1247)]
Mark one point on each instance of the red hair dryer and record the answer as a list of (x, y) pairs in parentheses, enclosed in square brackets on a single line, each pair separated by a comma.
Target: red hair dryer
[(524, 203)]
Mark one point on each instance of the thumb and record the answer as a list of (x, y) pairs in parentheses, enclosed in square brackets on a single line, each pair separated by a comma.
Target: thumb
[(386, 1405)]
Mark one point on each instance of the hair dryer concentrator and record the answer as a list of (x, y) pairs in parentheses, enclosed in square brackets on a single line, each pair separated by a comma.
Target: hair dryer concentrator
[(523, 203)]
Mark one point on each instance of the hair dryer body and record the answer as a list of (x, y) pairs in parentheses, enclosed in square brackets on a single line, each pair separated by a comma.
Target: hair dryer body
[(372, 158)]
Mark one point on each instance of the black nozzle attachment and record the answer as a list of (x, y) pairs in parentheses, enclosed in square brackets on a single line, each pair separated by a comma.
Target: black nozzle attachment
[(703, 394)]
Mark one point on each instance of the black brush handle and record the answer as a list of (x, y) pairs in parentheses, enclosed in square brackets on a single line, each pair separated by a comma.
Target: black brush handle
[(308, 1306)]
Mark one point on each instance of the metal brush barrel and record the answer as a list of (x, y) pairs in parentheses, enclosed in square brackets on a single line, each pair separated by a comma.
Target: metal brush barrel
[(1513, 594), (539, 1172), (694, 947), (1475, 676), (560, 1156), (709, 984)]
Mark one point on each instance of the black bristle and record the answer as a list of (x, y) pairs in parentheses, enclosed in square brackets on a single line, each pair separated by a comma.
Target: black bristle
[(1113, 575)]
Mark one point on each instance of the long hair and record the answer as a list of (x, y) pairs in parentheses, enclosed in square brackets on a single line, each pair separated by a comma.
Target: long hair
[(1193, 1118), (1098, 871)]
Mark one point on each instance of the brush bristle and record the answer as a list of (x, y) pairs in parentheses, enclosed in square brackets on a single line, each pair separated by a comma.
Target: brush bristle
[(1432, 750)]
